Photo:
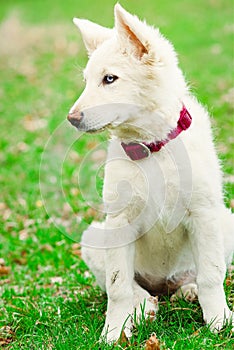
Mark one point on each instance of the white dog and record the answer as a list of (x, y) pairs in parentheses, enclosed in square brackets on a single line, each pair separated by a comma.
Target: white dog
[(166, 226)]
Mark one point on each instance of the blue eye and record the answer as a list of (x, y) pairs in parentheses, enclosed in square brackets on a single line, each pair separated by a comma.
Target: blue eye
[(109, 79)]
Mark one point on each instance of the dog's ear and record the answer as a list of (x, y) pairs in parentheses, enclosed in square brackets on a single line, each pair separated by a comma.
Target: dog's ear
[(93, 35), (130, 30)]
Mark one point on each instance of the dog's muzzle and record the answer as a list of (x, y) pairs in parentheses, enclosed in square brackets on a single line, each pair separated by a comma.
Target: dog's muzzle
[(75, 118)]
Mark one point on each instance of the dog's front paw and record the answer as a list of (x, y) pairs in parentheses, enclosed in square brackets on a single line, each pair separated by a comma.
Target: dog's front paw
[(217, 323), (118, 322), (111, 333)]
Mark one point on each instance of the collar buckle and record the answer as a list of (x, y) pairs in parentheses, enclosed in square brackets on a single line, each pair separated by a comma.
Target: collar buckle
[(136, 151)]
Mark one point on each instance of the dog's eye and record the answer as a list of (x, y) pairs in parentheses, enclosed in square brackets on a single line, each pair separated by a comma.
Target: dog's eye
[(109, 79)]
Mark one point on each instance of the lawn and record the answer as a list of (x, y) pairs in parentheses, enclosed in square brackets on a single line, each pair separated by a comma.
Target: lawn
[(49, 192)]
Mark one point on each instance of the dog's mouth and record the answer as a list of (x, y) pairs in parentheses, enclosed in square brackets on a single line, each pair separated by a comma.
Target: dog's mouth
[(102, 117), (98, 130), (86, 126)]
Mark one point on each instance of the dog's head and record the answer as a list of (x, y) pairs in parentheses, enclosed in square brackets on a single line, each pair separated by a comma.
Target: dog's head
[(132, 79)]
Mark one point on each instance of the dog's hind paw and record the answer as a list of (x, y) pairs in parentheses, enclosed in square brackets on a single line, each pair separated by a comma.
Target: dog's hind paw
[(188, 292), (147, 309)]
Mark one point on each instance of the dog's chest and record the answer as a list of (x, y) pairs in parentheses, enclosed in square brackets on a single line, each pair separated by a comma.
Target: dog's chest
[(160, 253), (159, 186)]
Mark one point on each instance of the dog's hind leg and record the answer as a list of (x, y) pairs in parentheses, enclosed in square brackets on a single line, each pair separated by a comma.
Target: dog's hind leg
[(206, 237), (227, 226)]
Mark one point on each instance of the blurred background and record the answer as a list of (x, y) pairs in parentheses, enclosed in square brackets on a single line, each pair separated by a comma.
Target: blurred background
[(41, 62)]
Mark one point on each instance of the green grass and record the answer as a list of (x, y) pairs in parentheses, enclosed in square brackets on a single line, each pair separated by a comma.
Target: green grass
[(48, 298)]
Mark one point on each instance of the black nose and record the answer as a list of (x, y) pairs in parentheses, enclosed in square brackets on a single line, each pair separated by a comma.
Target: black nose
[(75, 118)]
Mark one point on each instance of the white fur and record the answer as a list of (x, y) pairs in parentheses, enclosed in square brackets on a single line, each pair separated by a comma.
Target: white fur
[(172, 202)]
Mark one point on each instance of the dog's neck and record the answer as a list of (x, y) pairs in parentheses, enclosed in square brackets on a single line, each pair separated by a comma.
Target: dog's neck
[(141, 150)]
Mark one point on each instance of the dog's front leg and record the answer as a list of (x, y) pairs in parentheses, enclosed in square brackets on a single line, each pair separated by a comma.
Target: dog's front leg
[(119, 264), (208, 250)]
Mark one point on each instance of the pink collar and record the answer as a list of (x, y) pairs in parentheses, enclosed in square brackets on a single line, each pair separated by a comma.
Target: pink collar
[(137, 151)]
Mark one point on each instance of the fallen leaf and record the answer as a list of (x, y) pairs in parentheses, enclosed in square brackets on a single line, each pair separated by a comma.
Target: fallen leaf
[(4, 270), (20, 261), (3, 206), (6, 330), (9, 225), (228, 281), (66, 212), (196, 333), (4, 281), (22, 147), (76, 249), (29, 222), (5, 341), (2, 261), (32, 124), (152, 343), (6, 214), (77, 253), (123, 338), (92, 213), (23, 235), (47, 247), (76, 246), (22, 201), (122, 341), (91, 145), (6, 336)]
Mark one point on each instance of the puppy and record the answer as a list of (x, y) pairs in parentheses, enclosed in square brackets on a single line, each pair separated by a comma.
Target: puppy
[(166, 225)]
